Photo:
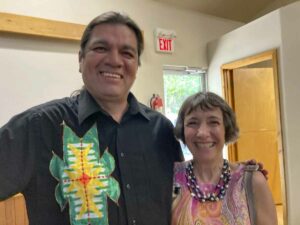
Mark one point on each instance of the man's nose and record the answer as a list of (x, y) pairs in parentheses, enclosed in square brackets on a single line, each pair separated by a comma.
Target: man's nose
[(114, 58)]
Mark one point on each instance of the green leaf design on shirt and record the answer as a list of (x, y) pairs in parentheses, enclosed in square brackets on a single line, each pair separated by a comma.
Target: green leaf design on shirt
[(84, 178)]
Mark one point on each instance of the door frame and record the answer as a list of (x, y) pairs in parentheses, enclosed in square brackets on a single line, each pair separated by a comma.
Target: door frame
[(228, 93)]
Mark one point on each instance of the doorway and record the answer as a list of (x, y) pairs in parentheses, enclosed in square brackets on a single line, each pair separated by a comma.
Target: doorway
[(251, 89)]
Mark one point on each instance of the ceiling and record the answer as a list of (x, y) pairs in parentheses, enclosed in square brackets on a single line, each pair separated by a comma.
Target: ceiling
[(238, 10)]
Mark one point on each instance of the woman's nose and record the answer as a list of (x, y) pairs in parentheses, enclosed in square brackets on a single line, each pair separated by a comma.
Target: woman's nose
[(202, 130)]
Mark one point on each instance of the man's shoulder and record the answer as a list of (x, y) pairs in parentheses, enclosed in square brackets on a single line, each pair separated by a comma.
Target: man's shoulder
[(55, 105), (53, 108), (52, 111), (153, 114)]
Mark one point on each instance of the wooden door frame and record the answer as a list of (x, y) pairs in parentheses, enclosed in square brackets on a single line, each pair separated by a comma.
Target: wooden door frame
[(228, 93)]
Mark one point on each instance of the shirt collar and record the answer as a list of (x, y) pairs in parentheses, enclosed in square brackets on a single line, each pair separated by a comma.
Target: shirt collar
[(88, 106), (135, 107)]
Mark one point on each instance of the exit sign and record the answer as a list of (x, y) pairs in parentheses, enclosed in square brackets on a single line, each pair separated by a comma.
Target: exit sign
[(165, 45), (165, 40)]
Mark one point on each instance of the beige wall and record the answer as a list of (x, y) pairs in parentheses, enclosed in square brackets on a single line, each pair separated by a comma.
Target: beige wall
[(279, 29), (36, 70), (290, 18)]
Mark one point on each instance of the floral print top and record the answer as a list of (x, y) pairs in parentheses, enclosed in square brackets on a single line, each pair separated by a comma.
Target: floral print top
[(232, 210)]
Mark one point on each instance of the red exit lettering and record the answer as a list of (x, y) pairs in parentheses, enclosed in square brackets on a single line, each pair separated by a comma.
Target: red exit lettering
[(165, 44)]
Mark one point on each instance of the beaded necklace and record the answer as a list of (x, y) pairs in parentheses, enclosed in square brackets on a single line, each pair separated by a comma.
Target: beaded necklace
[(220, 189)]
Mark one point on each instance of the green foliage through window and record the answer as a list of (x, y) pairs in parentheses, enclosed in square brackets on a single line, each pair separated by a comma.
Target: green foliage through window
[(178, 88)]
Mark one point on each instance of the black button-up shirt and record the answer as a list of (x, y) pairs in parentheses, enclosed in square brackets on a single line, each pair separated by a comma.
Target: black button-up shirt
[(142, 144)]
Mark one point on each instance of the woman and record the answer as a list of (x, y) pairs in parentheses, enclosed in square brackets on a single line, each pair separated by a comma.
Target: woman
[(209, 189)]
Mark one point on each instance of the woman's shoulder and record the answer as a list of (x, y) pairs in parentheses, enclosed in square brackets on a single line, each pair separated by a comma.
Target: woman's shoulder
[(236, 167), (180, 166), (243, 167), (179, 172), (237, 171), (259, 179)]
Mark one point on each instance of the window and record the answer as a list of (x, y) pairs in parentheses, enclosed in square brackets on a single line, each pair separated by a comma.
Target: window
[(179, 83)]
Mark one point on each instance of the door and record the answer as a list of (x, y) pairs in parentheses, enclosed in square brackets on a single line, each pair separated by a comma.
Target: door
[(254, 105), (251, 88)]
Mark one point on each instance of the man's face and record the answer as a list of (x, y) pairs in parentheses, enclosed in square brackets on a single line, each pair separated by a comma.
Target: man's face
[(110, 62)]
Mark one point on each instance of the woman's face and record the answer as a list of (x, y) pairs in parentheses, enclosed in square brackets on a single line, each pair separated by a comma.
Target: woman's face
[(204, 134)]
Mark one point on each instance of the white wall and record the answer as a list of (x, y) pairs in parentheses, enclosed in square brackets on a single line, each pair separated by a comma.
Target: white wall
[(255, 37), (279, 29), (290, 18), (36, 70)]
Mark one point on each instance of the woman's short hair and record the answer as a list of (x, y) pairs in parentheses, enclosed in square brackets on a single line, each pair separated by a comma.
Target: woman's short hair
[(112, 17), (207, 101)]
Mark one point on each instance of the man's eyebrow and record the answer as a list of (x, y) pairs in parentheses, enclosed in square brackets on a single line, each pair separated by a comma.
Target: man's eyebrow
[(99, 41), (104, 42), (129, 47)]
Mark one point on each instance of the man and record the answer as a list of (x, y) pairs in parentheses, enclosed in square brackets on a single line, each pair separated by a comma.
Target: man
[(99, 157)]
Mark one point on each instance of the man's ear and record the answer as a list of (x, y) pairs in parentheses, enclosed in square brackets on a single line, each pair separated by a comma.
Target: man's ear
[(80, 57)]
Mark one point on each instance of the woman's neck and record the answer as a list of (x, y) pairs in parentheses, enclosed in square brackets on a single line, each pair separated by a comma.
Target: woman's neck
[(208, 172)]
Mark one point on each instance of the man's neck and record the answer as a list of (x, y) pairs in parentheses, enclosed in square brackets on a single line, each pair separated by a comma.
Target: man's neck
[(115, 109)]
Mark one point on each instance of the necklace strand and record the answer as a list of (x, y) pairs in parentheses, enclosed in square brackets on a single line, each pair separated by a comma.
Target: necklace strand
[(220, 189)]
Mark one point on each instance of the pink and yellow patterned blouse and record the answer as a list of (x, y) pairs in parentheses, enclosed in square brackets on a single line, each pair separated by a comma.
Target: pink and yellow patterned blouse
[(232, 210)]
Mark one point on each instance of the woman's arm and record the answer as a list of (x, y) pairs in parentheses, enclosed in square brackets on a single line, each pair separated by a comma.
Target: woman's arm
[(263, 200)]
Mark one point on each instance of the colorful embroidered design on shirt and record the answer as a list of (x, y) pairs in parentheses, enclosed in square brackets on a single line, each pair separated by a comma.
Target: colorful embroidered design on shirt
[(84, 178)]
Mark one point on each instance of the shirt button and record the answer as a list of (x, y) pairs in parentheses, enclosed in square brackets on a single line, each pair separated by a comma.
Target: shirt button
[(122, 154), (128, 186)]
